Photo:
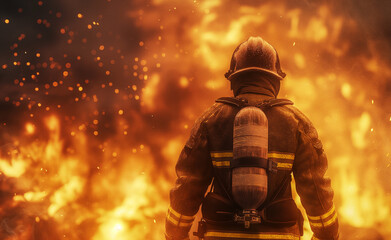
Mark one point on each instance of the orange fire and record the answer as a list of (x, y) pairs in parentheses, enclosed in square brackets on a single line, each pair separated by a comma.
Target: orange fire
[(61, 181)]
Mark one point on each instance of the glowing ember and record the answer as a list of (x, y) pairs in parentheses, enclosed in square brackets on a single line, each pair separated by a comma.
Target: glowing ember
[(96, 104), (30, 128)]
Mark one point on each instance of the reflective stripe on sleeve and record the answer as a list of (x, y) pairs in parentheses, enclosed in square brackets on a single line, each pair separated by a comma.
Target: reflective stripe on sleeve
[(323, 220), (221, 163), (178, 219), (279, 155), (221, 159), (236, 235), (284, 166), (221, 154)]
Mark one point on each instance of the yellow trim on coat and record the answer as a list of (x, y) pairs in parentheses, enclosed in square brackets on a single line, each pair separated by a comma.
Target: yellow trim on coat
[(221, 154), (178, 215), (280, 155), (280, 236), (177, 223), (289, 156), (323, 216), (320, 219), (284, 165), (221, 163)]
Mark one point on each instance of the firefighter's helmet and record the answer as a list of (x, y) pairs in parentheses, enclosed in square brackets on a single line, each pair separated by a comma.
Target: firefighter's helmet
[(255, 55)]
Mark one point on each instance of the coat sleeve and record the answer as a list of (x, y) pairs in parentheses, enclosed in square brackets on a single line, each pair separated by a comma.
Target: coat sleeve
[(313, 187), (194, 174)]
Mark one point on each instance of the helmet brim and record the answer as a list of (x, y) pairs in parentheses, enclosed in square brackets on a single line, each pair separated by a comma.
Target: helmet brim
[(253, 69)]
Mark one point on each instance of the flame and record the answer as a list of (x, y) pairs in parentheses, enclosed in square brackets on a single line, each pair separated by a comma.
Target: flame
[(14, 169), (150, 92), (62, 183), (95, 155), (30, 128)]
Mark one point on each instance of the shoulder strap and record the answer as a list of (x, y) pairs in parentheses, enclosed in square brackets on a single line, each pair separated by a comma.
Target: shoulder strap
[(274, 102), (240, 102), (270, 198), (233, 101)]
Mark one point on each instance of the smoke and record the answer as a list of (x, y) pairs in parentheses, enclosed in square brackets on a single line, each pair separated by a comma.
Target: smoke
[(127, 79)]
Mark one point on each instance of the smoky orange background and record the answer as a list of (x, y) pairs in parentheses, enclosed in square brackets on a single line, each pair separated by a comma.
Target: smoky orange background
[(99, 99)]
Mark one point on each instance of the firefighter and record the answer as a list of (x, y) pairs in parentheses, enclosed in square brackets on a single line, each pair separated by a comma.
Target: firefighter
[(248, 168)]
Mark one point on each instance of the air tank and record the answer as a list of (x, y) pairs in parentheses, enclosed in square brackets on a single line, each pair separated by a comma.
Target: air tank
[(250, 145)]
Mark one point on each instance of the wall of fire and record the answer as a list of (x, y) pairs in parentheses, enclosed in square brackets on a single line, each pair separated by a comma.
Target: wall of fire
[(98, 97)]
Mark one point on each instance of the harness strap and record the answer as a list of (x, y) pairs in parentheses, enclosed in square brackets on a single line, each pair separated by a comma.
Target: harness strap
[(241, 102), (233, 101), (267, 164), (284, 183), (227, 209), (250, 162), (274, 102), (222, 185)]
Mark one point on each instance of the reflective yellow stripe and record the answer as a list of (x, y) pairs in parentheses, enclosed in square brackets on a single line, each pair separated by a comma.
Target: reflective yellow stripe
[(276, 156), (221, 163), (289, 156), (316, 224), (180, 224), (178, 215), (331, 221), (178, 219), (320, 219), (253, 235), (325, 224), (284, 165), (221, 154), (324, 216), (228, 163)]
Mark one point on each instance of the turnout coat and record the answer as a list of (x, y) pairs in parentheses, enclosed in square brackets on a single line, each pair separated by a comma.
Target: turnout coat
[(293, 149)]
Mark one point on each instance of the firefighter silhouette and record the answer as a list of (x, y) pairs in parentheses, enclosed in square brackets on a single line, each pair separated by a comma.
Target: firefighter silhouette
[(247, 147)]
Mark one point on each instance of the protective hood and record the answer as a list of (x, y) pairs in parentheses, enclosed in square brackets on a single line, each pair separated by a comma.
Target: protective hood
[(256, 83)]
